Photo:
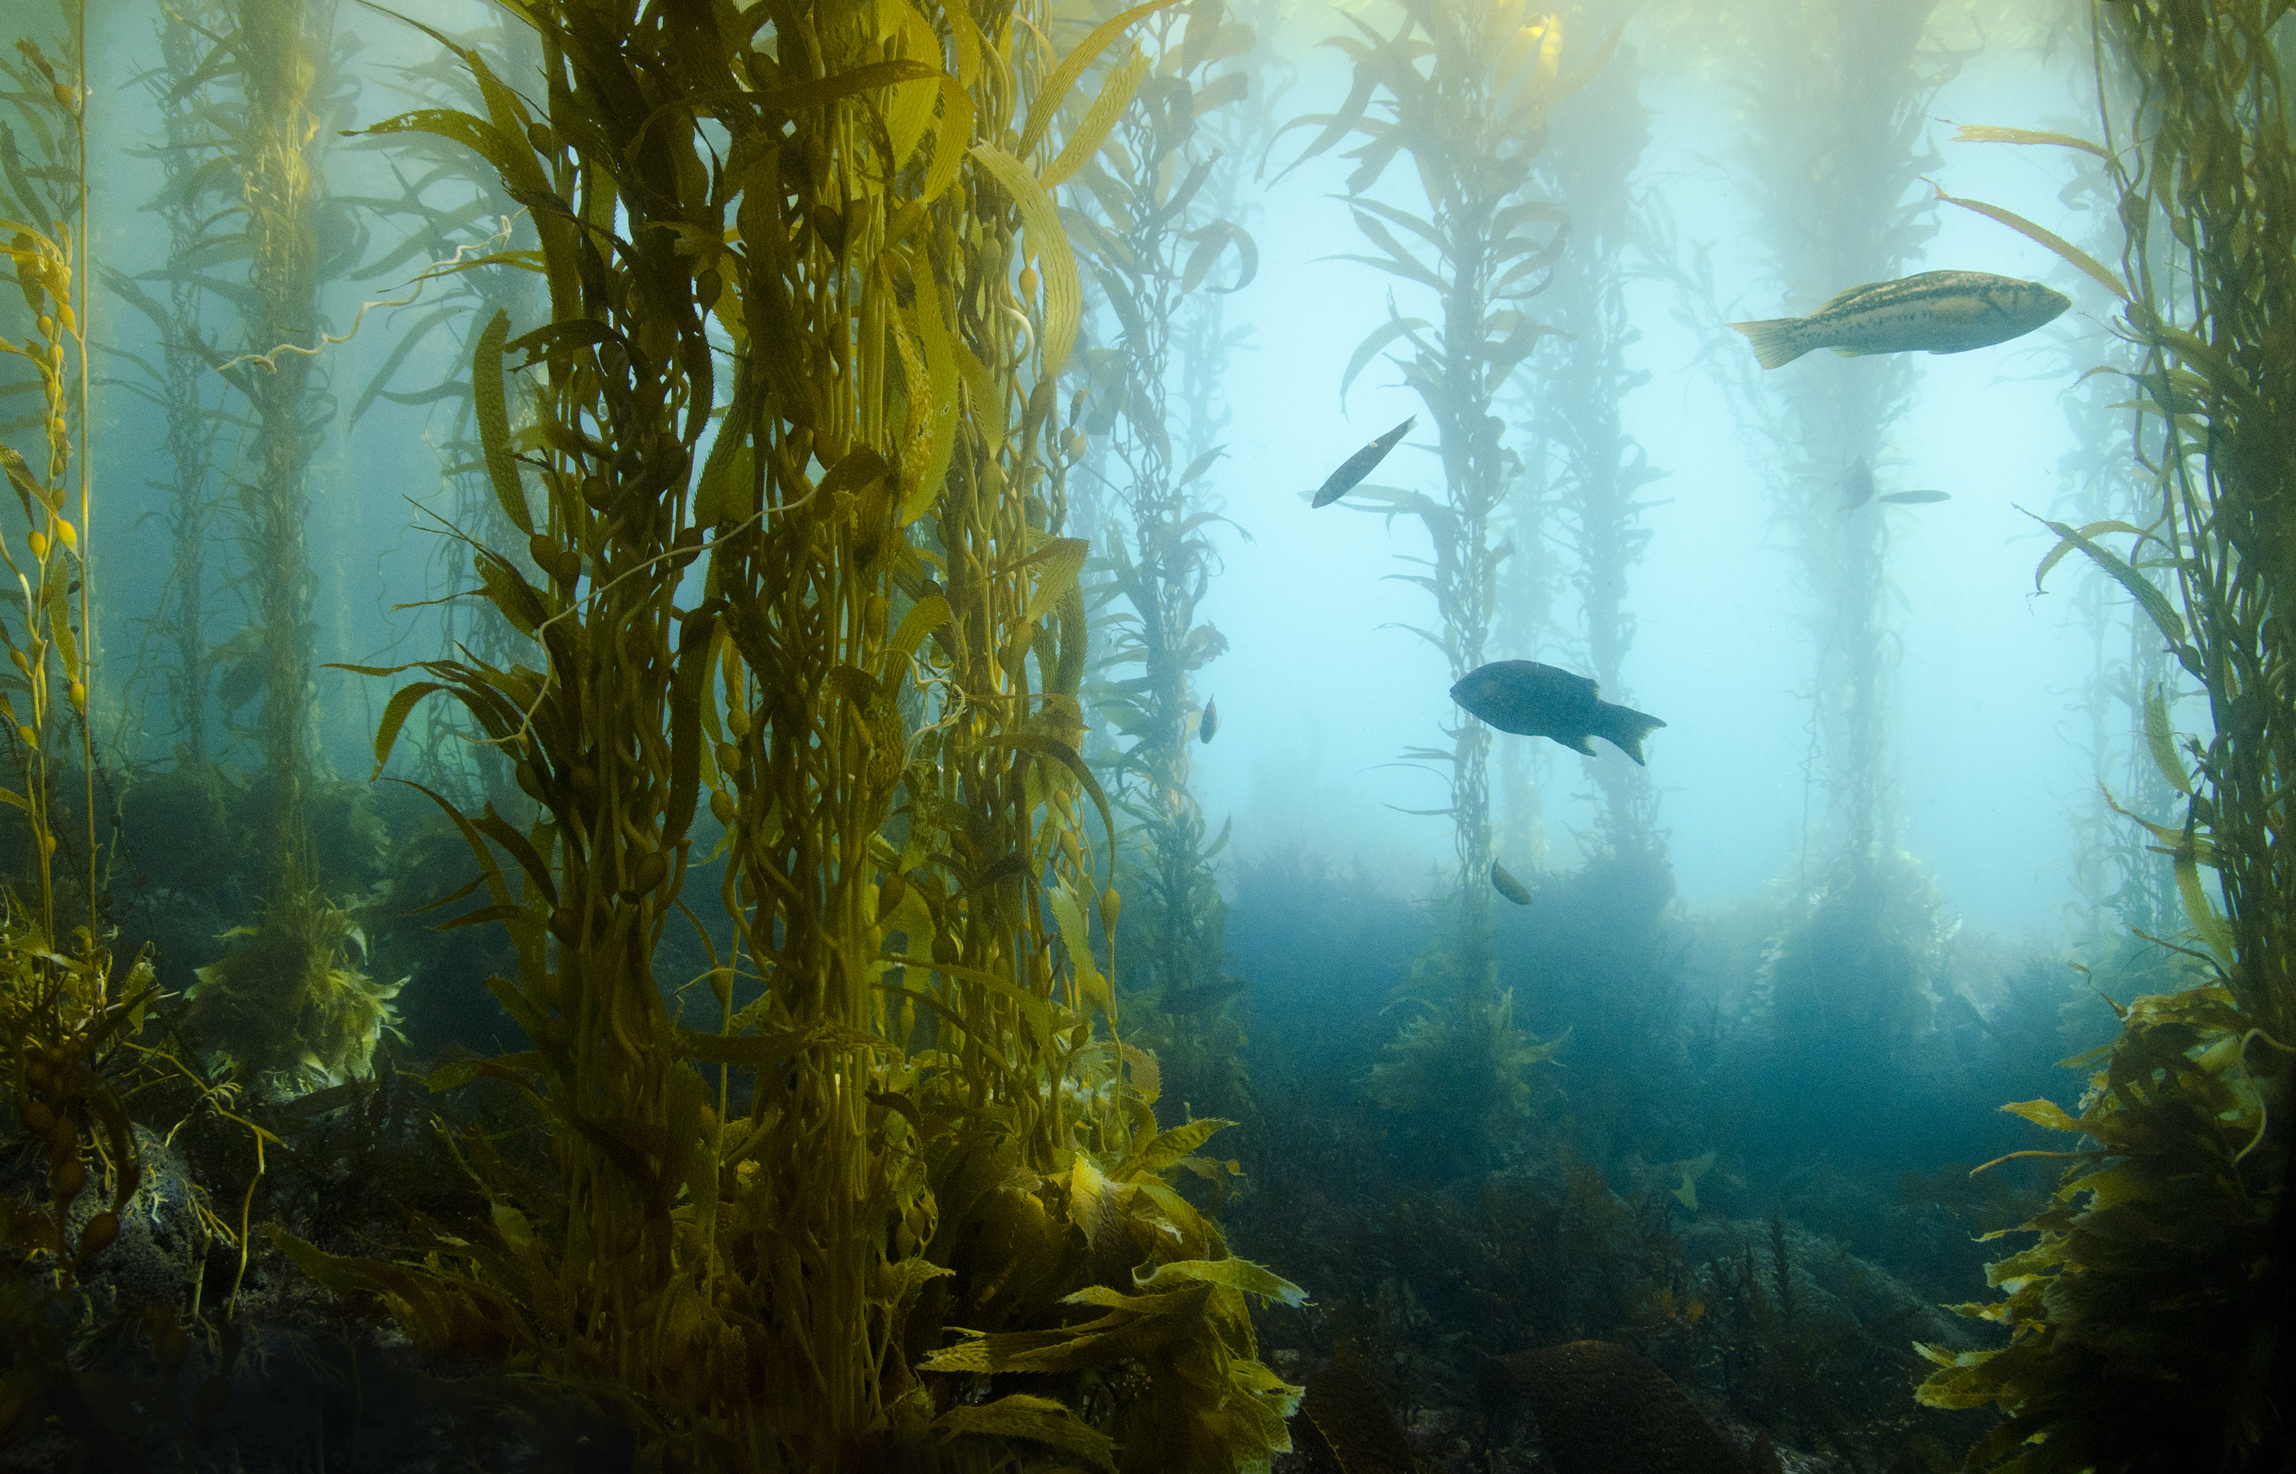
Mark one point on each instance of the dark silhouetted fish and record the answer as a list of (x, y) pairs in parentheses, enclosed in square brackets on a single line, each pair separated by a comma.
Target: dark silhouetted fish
[(1916, 498), (1534, 700), (1857, 485), (1200, 997), (1358, 466), (1506, 885), (1933, 312), (1208, 725)]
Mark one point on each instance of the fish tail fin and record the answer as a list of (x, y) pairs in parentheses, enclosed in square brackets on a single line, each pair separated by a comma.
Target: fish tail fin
[(1776, 340), (1624, 728)]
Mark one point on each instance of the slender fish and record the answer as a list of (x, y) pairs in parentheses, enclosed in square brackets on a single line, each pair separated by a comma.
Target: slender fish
[(1359, 465)]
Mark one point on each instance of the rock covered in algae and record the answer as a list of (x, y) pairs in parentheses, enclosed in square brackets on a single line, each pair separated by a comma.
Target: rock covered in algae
[(1604, 1410)]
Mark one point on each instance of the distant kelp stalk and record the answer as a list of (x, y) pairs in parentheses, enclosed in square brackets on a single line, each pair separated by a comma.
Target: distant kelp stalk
[(1837, 97), (289, 90), (1464, 89), (455, 307), (1139, 212), (177, 378), (2150, 1324), (781, 248), (1579, 384), (64, 1008)]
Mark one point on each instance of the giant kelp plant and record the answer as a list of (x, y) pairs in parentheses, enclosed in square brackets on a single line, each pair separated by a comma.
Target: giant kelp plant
[(1464, 90), (65, 1007), (754, 1240), (175, 376), (291, 92), (1837, 110), (1582, 381), (2152, 1323), (1834, 156), (253, 93), (1142, 225)]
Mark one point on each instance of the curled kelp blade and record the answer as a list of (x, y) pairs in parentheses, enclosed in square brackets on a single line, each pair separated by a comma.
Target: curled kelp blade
[(1357, 466)]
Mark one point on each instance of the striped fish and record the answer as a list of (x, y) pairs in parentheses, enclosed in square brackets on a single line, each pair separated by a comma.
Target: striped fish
[(1934, 312)]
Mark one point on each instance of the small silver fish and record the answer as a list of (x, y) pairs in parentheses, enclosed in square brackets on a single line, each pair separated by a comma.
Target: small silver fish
[(1932, 312), (1359, 465), (1916, 498), (1208, 725), (1506, 885)]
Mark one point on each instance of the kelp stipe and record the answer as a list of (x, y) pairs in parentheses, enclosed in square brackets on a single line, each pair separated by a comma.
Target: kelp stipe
[(1145, 227), (2151, 1323), (65, 1006), (802, 222), (1475, 136), (1474, 133), (179, 381), (1838, 94), (1594, 483)]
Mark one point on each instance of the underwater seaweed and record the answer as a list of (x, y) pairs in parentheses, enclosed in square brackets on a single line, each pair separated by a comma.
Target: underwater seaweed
[(755, 1238), (1473, 122), (1593, 471), (2150, 1325), (1141, 220)]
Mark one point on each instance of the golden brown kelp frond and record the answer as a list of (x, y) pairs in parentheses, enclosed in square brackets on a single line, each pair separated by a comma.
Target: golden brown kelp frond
[(2143, 1333), (61, 1006), (784, 345), (291, 1002), (61, 1019), (2132, 1318), (43, 208)]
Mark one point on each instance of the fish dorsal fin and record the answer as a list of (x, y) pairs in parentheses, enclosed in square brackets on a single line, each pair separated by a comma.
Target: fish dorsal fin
[(1842, 301)]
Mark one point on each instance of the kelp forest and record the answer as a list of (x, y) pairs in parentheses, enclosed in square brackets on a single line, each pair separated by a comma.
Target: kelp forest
[(1211, 735)]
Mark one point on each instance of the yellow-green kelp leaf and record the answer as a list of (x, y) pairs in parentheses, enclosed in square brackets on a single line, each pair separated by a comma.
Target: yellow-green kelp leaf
[(1979, 133), (1114, 98), (1235, 1274), (2162, 739), (1170, 1146), (2045, 238), (1686, 1192), (1055, 89), (489, 404), (1037, 1418), (2207, 922), (2146, 593), (1048, 243), (2043, 1113)]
